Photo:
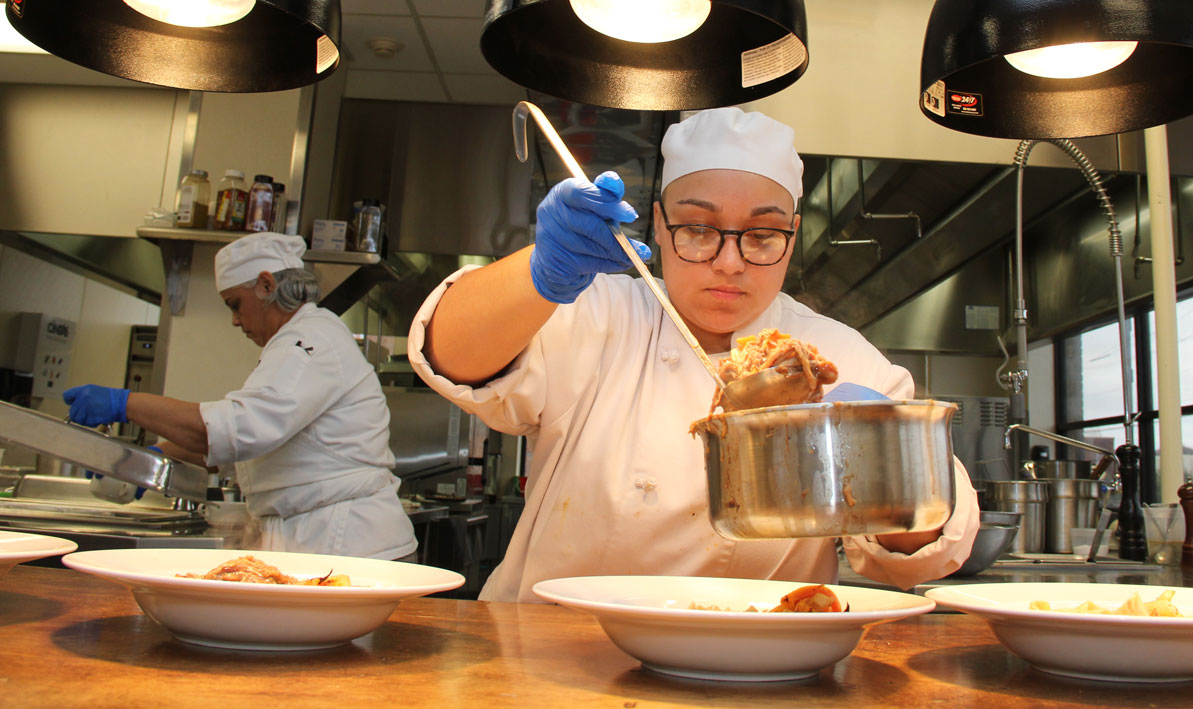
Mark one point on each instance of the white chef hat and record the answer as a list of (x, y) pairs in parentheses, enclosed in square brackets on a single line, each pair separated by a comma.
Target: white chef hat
[(731, 139), (243, 259)]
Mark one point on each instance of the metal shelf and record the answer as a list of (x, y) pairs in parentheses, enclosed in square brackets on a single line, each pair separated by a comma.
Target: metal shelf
[(344, 276)]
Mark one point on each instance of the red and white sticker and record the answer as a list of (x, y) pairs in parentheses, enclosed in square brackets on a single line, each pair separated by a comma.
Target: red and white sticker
[(963, 103), (17, 7)]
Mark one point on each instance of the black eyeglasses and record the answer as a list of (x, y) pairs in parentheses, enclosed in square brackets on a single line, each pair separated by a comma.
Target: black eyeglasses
[(698, 243)]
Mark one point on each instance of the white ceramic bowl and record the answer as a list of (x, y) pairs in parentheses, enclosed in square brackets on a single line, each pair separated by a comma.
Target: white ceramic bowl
[(251, 616), (19, 547), (649, 618), (1089, 646)]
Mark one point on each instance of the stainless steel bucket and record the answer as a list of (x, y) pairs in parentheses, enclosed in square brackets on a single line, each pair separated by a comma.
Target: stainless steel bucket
[(1028, 497), (1071, 503), (829, 469), (1066, 469)]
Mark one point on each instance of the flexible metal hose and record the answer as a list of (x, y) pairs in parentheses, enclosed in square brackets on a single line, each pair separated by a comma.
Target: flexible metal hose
[(1091, 175), (1116, 251)]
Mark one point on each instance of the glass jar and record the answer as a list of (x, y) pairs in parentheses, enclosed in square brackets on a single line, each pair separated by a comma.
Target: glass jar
[(260, 214), (279, 208), (231, 202), (366, 227), (193, 200)]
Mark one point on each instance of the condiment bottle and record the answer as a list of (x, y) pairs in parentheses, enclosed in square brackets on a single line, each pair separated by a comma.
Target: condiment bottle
[(366, 227), (194, 199), (260, 214), (279, 208), (232, 201)]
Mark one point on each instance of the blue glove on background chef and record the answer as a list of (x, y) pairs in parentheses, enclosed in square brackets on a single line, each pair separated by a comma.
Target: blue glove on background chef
[(93, 405), (573, 242)]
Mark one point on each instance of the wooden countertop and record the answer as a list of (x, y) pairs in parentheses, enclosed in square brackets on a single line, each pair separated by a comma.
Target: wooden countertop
[(69, 639)]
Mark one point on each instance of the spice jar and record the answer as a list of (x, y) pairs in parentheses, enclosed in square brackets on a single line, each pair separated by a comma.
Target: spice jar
[(194, 199), (260, 214), (231, 202)]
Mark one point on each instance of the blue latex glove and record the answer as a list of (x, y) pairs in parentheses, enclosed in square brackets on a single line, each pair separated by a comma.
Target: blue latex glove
[(848, 391), (92, 405), (572, 239), (89, 474)]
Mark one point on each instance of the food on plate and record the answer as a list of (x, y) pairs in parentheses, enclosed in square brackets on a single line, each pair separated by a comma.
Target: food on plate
[(806, 599), (249, 569), (810, 599), (1162, 607), (771, 349)]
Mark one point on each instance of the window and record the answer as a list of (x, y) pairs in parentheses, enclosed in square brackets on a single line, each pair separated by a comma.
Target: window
[(1090, 406)]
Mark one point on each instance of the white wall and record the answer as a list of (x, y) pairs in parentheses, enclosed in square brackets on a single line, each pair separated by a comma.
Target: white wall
[(207, 357), (253, 133), (104, 316), (82, 159)]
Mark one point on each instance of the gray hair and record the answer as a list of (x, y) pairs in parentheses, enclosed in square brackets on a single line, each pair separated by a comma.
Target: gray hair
[(295, 287)]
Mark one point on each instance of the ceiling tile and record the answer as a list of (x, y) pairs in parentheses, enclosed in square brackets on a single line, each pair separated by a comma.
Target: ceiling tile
[(358, 29), (395, 86), (476, 88), (374, 7), (450, 8), (456, 44)]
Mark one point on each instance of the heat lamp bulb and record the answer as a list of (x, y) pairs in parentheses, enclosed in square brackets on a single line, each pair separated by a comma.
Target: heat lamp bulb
[(1072, 61), (193, 13), (645, 21)]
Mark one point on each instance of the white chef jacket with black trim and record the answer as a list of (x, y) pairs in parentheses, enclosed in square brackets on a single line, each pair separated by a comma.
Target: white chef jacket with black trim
[(309, 431), (606, 392)]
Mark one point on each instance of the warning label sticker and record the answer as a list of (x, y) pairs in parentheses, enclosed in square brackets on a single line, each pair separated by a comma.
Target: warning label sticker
[(326, 54), (964, 103), (771, 61), (934, 98)]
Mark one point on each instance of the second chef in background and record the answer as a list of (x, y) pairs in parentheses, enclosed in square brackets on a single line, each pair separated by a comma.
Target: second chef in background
[(309, 430)]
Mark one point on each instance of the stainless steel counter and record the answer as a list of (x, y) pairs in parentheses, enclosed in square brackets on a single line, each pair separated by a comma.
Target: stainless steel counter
[(1062, 568)]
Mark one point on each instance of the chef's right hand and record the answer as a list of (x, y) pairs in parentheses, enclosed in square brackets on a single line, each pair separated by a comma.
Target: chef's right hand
[(572, 239), (92, 405)]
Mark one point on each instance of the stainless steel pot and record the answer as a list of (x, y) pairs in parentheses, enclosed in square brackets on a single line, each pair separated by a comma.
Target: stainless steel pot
[(830, 469), (1071, 503), (1029, 498), (1058, 469)]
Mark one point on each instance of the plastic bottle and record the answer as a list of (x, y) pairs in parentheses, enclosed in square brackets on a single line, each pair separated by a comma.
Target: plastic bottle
[(260, 214), (232, 201), (279, 208), (194, 199)]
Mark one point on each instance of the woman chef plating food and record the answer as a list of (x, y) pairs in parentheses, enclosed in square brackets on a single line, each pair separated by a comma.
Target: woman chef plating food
[(544, 343), (310, 426)]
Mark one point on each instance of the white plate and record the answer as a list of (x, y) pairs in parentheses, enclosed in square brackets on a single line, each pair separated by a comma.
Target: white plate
[(1090, 646), (251, 616), (649, 618), (18, 547)]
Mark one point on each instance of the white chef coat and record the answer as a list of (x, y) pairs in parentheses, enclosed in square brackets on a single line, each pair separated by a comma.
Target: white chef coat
[(310, 432), (606, 392)]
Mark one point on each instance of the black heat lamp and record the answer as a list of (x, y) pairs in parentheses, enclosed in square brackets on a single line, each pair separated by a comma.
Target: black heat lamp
[(1040, 69), (718, 53), (273, 45)]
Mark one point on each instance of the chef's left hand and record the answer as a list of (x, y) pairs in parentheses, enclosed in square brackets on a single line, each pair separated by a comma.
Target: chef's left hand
[(93, 405), (906, 542)]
